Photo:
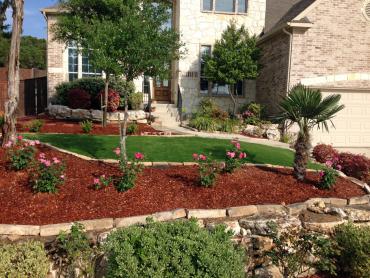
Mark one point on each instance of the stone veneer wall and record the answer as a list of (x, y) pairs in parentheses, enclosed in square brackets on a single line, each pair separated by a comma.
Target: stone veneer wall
[(338, 43), (203, 28)]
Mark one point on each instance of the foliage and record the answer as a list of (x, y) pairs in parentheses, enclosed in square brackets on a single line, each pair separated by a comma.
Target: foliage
[(323, 153), (102, 181), (234, 158), (228, 125), (32, 52), (135, 100), (113, 100), (122, 86), (208, 170), (79, 99), (23, 260), (77, 251), (47, 175), (293, 249), (174, 249), (204, 123), (252, 114), (87, 126), (350, 251), (20, 153), (357, 166), (234, 58), (308, 109), (328, 178), (209, 108), (2, 120), (130, 171), (36, 125), (287, 138), (132, 128)]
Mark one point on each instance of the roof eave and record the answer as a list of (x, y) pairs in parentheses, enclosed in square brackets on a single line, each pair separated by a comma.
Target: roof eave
[(279, 28)]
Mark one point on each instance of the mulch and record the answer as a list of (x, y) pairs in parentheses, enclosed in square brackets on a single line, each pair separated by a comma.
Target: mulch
[(73, 127), (156, 190)]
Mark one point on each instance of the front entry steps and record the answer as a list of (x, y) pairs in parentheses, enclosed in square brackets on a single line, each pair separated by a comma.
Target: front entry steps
[(166, 115)]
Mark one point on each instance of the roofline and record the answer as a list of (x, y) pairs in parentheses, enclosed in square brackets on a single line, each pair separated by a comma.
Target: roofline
[(333, 88), (307, 10)]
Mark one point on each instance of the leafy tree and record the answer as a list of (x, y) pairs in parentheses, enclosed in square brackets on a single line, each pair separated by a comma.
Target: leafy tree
[(308, 109), (234, 58), (122, 37)]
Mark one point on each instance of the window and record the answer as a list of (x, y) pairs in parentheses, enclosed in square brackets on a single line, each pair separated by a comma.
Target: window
[(214, 89), (72, 63), (225, 6), (205, 50), (87, 69)]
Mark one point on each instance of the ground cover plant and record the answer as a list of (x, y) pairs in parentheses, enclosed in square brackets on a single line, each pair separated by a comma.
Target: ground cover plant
[(20, 153), (87, 126), (36, 125), (194, 252), (208, 170), (157, 148)]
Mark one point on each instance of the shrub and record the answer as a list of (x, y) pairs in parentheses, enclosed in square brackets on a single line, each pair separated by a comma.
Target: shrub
[(113, 100), (87, 126), (20, 153), (48, 175), (132, 128), (208, 108), (208, 170), (235, 158), (228, 125), (36, 125), (357, 166), (351, 251), (204, 123), (79, 99), (102, 181), (2, 121), (79, 257), (323, 153), (130, 171), (175, 249), (328, 178), (135, 101), (23, 260)]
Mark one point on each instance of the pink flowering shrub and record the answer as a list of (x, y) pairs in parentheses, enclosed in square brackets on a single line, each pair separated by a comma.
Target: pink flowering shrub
[(102, 181), (48, 174), (235, 157), (329, 175), (208, 170), (130, 171), (20, 153)]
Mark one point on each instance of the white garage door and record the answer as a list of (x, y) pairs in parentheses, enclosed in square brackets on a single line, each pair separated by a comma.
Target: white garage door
[(352, 125)]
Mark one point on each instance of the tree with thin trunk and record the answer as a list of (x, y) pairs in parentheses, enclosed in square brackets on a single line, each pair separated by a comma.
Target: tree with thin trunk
[(11, 105), (234, 59), (308, 109), (128, 38)]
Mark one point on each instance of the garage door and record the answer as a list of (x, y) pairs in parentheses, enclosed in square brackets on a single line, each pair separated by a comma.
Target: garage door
[(352, 125)]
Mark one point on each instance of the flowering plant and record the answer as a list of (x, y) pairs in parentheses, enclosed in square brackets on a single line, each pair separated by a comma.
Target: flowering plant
[(101, 181), (48, 174), (235, 157), (328, 176), (130, 171), (20, 152), (208, 170)]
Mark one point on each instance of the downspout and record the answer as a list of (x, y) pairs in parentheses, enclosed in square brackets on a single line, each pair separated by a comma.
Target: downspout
[(290, 57)]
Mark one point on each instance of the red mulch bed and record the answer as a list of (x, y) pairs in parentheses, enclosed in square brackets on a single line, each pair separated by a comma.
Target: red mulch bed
[(156, 190), (73, 127)]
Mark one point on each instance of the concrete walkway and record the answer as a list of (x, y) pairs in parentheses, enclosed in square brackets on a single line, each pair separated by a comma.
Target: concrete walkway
[(185, 131)]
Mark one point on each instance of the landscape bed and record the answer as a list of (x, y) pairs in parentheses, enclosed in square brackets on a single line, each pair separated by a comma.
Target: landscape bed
[(157, 189)]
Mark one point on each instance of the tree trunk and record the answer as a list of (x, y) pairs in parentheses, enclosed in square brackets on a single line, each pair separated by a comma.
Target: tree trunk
[(232, 96), (106, 91), (123, 132), (302, 154), (11, 105)]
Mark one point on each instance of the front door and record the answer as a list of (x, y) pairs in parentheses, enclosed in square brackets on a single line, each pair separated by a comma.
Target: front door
[(162, 90)]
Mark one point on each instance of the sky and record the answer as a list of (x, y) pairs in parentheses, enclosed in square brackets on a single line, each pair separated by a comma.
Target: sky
[(34, 22)]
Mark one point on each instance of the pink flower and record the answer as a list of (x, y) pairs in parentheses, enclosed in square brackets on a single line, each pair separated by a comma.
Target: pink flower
[(117, 151), (31, 143), (97, 181), (322, 174), (139, 156), (103, 176), (230, 154), (202, 157), (20, 137), (56, 160), (329, 163), (42, 156), (62, 177), (242, 155), (195, 156), (47, 163), (37, 142), (339, 167), (8, 144)]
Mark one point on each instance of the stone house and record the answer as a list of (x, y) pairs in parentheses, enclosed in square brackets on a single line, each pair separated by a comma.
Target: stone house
[(323, 44), (200, 23)]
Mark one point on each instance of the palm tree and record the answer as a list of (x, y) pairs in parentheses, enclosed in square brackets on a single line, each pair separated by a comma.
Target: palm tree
[(308, 109)]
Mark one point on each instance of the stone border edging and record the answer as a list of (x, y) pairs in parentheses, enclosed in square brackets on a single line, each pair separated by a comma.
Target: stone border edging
[(272, 210)]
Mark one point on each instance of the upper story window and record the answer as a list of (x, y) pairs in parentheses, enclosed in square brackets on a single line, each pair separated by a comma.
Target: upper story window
[(72, 62), (225, 6)]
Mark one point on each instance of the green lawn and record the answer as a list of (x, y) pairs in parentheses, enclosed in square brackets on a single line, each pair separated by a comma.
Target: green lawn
[(172, 149)]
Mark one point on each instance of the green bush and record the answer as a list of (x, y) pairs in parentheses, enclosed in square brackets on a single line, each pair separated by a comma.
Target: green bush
[(208, 108), (352, 251), (2, 121), (135, 100), (132, 128), (204, 123), (175, 249), (36, 125), (229, 125), (23, 260), (87, 126)]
